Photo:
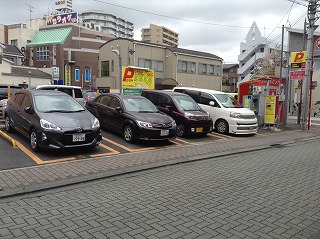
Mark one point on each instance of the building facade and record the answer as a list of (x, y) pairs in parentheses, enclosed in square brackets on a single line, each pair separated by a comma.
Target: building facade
[(107, 23), (230, 78), (172, 66), (70, 50), (160, 35), (252, 50)]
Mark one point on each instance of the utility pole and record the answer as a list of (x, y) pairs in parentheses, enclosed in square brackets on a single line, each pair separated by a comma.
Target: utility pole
[(312, 9)]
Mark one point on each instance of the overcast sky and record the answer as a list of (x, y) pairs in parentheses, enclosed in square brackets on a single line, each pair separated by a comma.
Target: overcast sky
[(214, 26)]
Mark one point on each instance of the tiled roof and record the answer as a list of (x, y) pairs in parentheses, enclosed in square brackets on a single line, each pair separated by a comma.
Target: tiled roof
[(24, 72), (228, 66), (191, 52), (49, 37)]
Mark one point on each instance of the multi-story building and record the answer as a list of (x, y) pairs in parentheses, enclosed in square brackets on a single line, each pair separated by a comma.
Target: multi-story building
[(70, 50), (160, 35), (107, 23), (252, 50), (172, 66), (230, 77)]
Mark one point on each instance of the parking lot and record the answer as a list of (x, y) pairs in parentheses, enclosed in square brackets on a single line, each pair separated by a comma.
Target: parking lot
[(16, 151)]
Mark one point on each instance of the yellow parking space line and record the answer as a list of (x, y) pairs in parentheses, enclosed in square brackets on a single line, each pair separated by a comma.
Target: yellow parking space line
[(180, 140), (14, 143), (217, 135), (37, 160), (124, 147)]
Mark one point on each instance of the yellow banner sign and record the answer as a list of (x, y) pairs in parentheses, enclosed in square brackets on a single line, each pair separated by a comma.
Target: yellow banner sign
[(133, 78)]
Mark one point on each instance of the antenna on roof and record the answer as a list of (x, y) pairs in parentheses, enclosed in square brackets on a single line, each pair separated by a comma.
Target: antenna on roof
[(30, 10)]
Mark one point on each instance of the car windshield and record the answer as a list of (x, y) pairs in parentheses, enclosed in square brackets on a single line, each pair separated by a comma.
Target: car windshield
[(141, 105), (227, 101), (61, 103), (186, 103), (91, 94)]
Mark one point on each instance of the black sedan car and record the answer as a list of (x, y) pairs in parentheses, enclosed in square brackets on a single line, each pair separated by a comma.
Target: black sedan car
[(133, 116), (51, 119)]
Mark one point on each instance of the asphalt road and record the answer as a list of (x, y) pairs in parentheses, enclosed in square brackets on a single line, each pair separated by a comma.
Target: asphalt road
[(271, 193)]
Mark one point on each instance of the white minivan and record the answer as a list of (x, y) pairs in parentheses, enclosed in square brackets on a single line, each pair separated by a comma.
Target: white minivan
[(227, 114)]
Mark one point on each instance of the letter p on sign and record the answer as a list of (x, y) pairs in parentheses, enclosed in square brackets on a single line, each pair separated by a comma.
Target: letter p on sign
[(298, 57)]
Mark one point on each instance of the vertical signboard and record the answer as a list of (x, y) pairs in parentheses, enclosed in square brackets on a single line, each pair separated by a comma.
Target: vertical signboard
[(270, 109), (298, 64), (67, 75)]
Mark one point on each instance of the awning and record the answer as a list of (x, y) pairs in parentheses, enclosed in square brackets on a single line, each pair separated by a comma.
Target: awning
[(49, 37), (166, 81)]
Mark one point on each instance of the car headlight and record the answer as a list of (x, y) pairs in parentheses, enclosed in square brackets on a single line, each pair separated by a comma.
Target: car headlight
[(144, 124), (96, 124), (190, 116), (235, 115), (174, 124), (48, 125)]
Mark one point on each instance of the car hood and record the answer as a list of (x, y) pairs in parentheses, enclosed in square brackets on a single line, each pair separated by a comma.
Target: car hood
[(156, 118), (83, 119), (244, 111)]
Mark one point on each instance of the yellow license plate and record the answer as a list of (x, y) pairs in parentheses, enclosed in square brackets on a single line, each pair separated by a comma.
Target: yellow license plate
[(199, 130)]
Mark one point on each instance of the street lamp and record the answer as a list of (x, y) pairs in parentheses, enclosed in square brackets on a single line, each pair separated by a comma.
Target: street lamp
[(118, 52)]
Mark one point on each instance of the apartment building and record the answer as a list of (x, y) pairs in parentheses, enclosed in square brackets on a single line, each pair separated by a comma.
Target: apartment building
[(107, 23), (160, 35), (172, 66), (230, 78)]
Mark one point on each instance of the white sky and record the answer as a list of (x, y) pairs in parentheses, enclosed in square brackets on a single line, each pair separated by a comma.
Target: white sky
[(212, 26)]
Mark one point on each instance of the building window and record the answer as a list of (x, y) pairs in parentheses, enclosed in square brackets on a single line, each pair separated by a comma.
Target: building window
[(14, 42), (77, 74), (87, 75), (151, 64), (217, 70), (43, 53), (112, 65), (202, 69), (105, 68), (187, 67)]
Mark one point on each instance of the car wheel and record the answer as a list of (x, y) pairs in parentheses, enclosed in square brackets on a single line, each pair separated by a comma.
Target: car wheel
[(128, 134), (34, 143), (222, 127), (7, 125), (181, 130)]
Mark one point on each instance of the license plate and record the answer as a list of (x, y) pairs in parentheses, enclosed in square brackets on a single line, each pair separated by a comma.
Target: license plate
[(78, 137), (164, 132), (199, 130)]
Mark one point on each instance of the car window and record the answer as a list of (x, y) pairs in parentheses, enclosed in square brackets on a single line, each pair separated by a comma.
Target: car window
[(61, 103), (142, 105), (18, 98), (164, 101), (186, 103), (205, 98), (78, 93), (26, 102), (66, 90), (103, 99), (114, 102), (152, 97), (195, 95), (228, 101)]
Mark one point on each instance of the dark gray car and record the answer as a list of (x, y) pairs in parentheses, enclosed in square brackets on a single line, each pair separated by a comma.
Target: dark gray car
[(51, 119)]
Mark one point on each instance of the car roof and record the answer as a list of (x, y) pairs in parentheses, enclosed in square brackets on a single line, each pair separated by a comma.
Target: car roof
[(201, 89), (56, 86), (43, 92), (6, 85), (170, 93), (123, 96)]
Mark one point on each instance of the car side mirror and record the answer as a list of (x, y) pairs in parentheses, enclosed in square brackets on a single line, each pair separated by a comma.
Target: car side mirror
[(212, 103), (119, 110), (170, 108), (27, 110)]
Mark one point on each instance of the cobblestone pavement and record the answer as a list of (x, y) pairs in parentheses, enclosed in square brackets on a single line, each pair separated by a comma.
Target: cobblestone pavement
[(30, 179), (271, 193)]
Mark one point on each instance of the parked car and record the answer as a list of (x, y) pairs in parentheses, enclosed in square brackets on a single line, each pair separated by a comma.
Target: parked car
[(51, 119), (135, 117), (228, 115), (189, 117), (74, 91)]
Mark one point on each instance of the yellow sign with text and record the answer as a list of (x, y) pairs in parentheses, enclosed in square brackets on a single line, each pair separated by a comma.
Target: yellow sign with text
[(298, 57), (133, 78), (270, 110)]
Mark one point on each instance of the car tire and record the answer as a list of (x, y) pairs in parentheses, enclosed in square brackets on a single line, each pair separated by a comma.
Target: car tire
[(34, 143), (181, 130), (7, 125), (128, 134), (222, 126)]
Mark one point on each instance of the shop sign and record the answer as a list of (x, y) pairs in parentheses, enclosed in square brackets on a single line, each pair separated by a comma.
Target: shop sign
[(133, 78), (270, 109)]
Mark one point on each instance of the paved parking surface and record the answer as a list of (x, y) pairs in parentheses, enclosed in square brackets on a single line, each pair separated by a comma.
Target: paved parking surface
[(272, 193)]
